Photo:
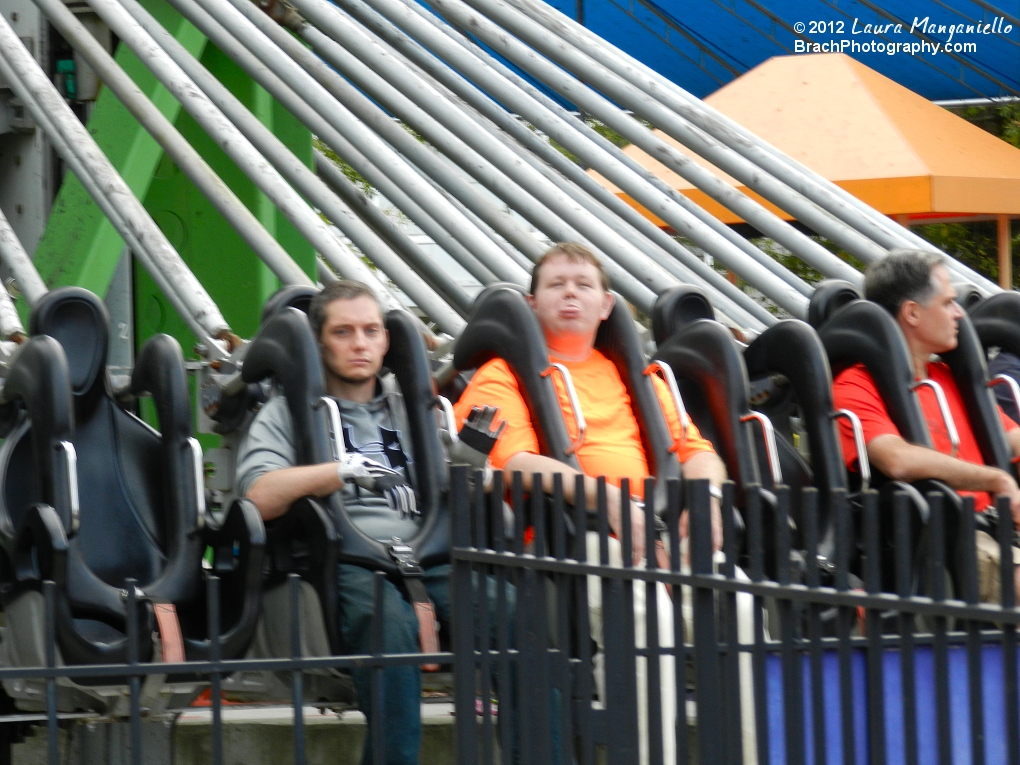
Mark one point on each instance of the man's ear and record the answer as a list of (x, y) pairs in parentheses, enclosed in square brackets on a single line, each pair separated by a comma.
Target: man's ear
[(531, 301), (909, 313), (608, 301), (386, 336)]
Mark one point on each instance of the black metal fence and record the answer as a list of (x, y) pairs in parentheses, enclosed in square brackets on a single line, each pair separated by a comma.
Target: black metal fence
[(862, 659), (564, 652)]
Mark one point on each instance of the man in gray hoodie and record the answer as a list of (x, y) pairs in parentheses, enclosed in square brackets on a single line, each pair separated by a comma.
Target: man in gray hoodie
[(375, 477)]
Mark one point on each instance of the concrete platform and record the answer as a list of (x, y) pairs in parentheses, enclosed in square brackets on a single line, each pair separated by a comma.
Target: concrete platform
[(251, 736)]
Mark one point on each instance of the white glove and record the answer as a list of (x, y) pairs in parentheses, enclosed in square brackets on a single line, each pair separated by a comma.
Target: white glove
[(379, 479)]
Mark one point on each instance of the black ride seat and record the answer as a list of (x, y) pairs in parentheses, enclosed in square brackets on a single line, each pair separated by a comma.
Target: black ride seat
[(140, 497), (859, 331), (503, 325), (316, 533)]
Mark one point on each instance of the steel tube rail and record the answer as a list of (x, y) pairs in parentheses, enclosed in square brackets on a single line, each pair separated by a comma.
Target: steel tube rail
[(615, 87), (540, 114), (177, 148), (234, 144), (418, 259), (801, 178), (558, 123), (529, 106), (562, 126), (402, 91), (13, 254), (359, 233), (755, 318), (429, 164), (112, 194), (309, 102), (295, 171), (11, 327), (63, 147), (406, 77), (756, 273)]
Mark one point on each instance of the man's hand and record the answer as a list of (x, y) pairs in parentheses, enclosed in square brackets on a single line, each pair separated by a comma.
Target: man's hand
[(1008, 487), (379, 479), (476, 441), (614, 511)]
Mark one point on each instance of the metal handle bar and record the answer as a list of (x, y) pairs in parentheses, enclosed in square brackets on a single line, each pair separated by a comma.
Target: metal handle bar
[(674, 391), (575, 405), (771, 450), (1014, 389), (335, 428), (947, 418), (451, 420), (71, 460), (859, 445), (196, 453)]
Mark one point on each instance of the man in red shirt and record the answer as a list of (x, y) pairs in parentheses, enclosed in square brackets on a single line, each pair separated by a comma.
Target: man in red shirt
[(914, 287)]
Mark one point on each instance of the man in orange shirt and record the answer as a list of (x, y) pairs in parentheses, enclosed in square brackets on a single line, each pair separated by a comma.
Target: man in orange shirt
[(570, 296), (914, 287)]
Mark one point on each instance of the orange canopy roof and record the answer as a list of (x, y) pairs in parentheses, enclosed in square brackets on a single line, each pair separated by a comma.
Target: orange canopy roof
[(890, 147)]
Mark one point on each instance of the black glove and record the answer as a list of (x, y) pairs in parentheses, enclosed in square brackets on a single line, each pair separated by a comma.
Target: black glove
[(475, 441)]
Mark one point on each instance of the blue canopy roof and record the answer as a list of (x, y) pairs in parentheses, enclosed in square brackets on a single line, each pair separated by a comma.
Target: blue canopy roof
[(955, 49)]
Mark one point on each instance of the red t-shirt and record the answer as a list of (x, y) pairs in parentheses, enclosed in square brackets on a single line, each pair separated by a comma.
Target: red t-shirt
[(854, 389)]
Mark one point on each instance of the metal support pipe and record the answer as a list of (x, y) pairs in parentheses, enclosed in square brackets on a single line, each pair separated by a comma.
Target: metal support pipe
[(564, 128), (311, 104), (250, 161), (448, 129), (782, 294), (488, 74), (234, 144), (298, 174), (215, 348), (387, 14), (13, 254), (363, 237), (721, 156), (519, 95), (11, 327), (801, 178), (111, 193), (523, 202), (177, 148), (419, 260)]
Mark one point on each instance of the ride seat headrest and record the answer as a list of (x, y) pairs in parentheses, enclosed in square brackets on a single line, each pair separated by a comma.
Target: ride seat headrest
[(677, 307), (79, 321), (829, 296), (297, 296), (996, 320), (968, 296)]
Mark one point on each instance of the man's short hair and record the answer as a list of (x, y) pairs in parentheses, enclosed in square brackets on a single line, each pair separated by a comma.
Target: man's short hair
[(345, 289), (578, 253), (904, 275)]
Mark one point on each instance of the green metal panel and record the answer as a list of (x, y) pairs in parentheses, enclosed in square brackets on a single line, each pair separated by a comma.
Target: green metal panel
[(235, 278), (80, 247)]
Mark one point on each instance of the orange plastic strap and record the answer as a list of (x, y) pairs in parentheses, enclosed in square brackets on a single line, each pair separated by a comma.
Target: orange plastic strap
[(169, 632), (428, 631)]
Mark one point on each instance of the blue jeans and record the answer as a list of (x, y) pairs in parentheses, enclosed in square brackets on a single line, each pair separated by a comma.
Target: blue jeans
[(402, 684)]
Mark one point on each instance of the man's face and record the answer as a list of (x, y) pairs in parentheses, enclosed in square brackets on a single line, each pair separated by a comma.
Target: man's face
[(569, 300), (936, 323), (353, 340)]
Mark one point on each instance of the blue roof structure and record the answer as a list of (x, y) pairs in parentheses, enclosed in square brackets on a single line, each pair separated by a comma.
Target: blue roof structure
[(941, 49)]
